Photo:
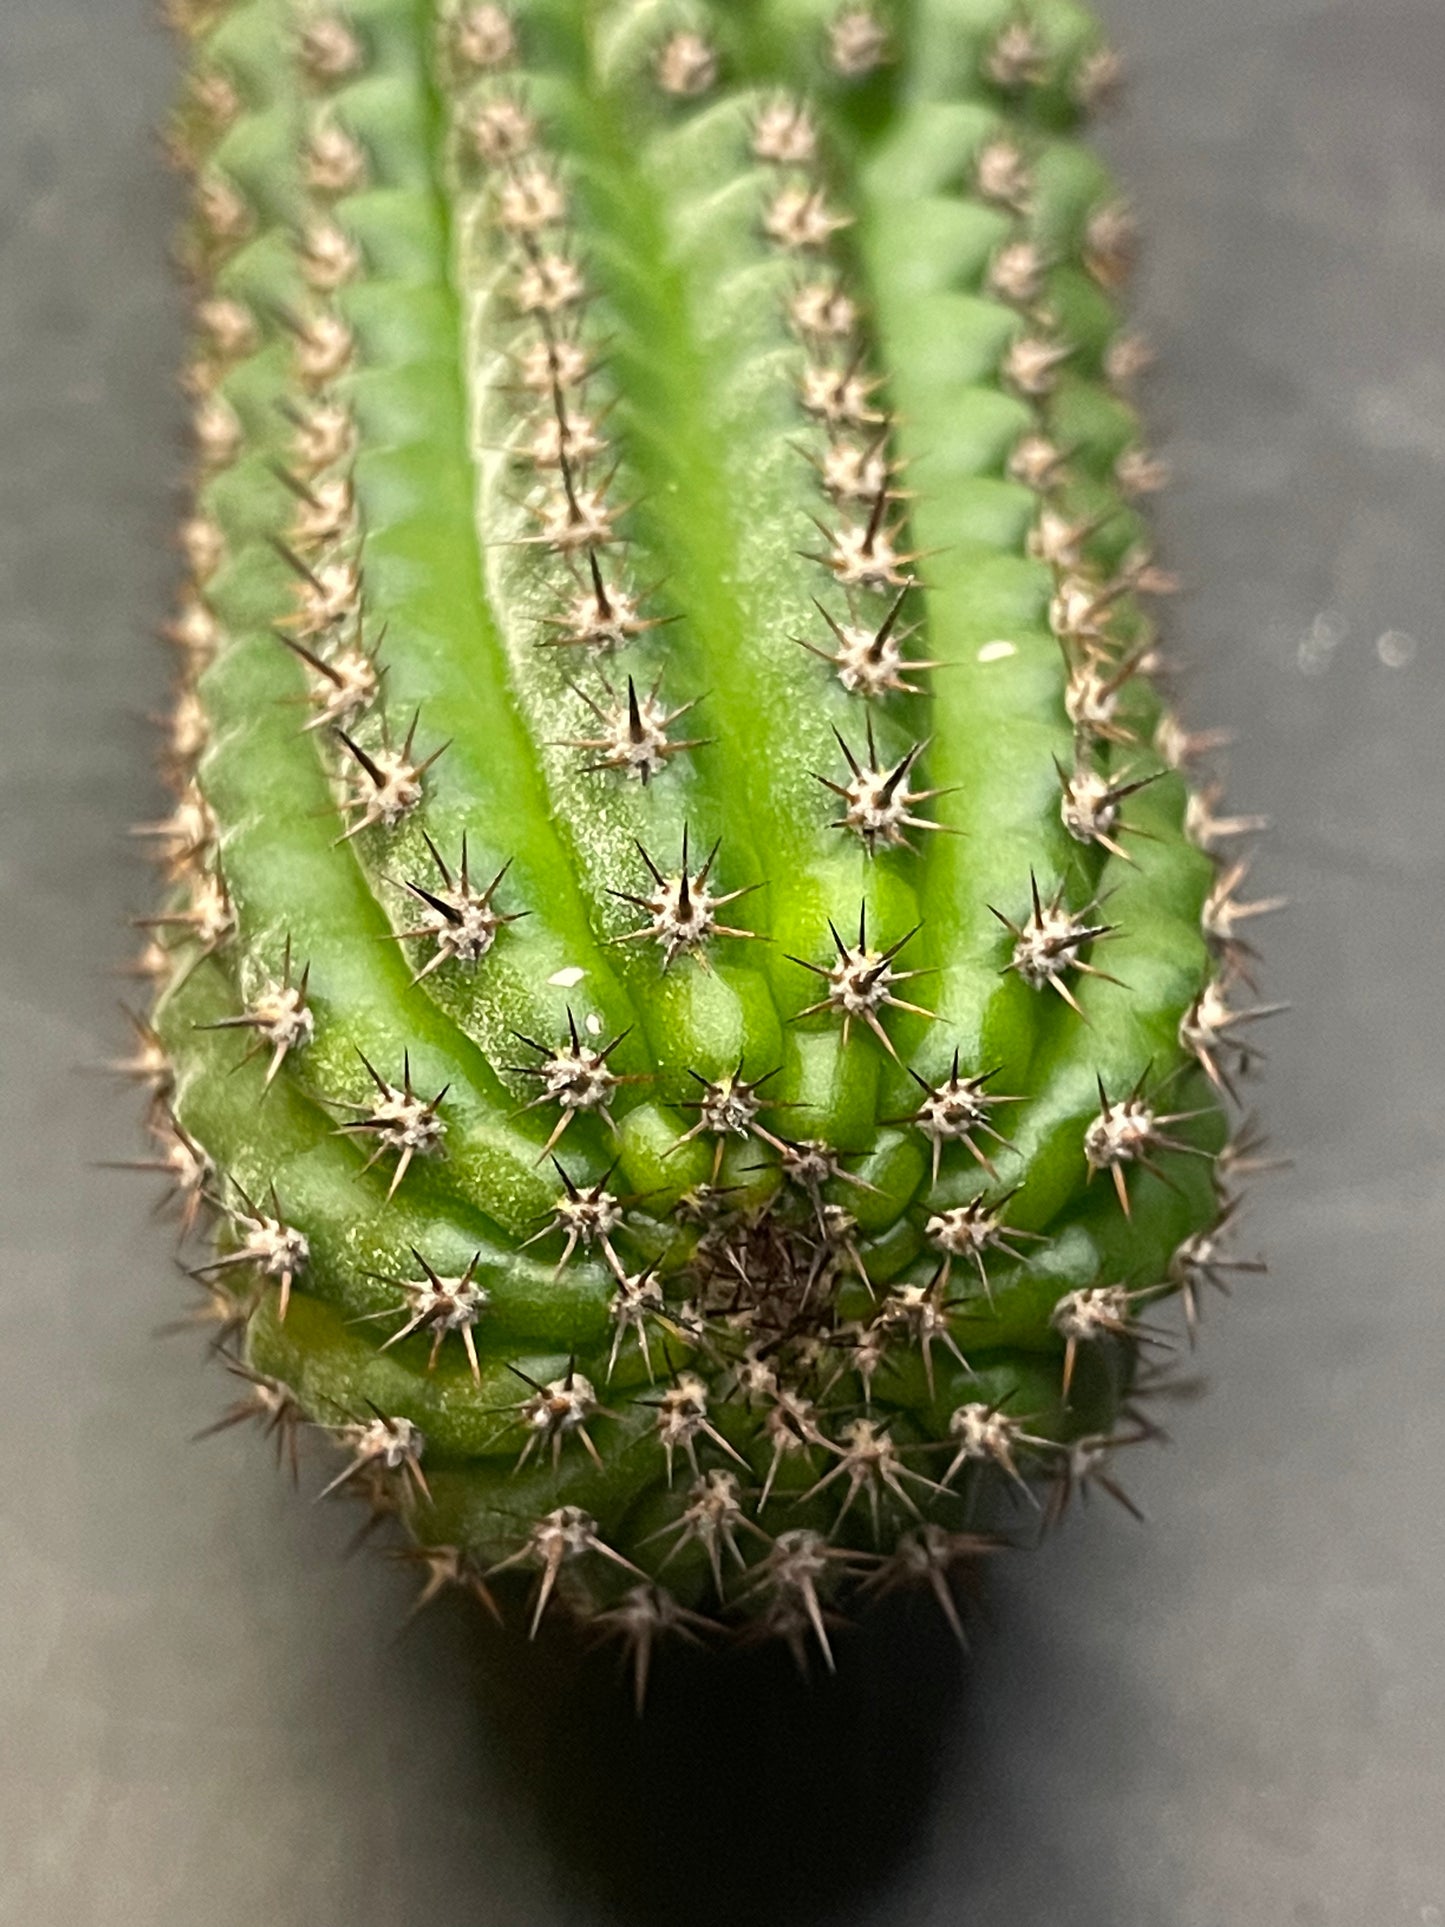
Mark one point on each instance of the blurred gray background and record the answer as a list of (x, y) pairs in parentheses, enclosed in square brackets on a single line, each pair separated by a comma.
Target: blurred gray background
[(1231, 1719)]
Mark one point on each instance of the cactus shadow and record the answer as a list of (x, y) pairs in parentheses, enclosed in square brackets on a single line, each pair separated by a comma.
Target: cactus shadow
[(745, 1789)]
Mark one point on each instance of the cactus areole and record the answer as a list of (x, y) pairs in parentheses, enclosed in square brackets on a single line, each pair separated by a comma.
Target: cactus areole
[(694, 993)]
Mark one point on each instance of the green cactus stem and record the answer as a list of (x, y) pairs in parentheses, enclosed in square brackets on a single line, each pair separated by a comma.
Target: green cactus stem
[(694, 993)]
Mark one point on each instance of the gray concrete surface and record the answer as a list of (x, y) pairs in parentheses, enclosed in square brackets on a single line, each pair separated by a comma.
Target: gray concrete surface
[(1232, 1719)]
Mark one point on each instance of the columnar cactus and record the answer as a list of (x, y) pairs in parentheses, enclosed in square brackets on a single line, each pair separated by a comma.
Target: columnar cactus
[(694, 992)]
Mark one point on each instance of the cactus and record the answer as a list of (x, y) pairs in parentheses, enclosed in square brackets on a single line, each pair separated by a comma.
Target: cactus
[(694, 992)]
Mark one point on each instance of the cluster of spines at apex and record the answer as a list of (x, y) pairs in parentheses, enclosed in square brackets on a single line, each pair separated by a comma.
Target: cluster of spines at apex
[(383, 782)]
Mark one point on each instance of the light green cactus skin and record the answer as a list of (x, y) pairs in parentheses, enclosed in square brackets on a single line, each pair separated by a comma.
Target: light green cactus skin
[(429, 243)]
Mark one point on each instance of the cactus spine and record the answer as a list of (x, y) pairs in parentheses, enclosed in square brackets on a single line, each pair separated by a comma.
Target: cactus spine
[(735, 999)]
